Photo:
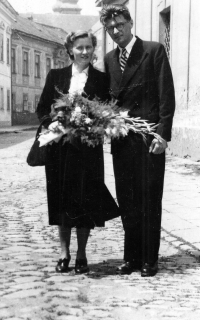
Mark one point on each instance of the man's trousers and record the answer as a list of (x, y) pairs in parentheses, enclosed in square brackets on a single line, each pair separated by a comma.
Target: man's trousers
[(139, 178)]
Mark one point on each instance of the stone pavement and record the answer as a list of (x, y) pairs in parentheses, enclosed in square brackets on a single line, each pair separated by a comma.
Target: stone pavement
[(29, 286)]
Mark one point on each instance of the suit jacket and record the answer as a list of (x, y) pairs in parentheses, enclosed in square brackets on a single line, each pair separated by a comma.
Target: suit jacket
[(146, 87), (96, 85)]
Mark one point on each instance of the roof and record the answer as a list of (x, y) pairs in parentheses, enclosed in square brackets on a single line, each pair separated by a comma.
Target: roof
[(68, 22), (45, 32), (9, 7)]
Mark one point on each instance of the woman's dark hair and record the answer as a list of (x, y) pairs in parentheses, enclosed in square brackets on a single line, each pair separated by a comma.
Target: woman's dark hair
[(111, 11), (73, 36)]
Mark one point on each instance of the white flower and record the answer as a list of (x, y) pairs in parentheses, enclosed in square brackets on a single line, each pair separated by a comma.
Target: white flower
[(77, 109), (123, 132), (108, 131), (105, 113), (88, 120), (77, 120), (124, 114), (73, 115), (113, 122), (114, 131)]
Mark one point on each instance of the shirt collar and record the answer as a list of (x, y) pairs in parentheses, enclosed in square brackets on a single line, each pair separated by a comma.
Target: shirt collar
[(129, 45), (75, 71)]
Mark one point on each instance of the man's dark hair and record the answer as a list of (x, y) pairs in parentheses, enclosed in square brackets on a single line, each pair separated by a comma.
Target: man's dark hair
[(112, 11)]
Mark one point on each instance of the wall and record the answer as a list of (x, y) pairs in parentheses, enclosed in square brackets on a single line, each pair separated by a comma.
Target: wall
[(185, 64), (5, 68), (98, 31)]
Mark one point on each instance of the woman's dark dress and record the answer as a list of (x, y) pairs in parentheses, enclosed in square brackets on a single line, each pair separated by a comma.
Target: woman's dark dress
[(76, 193)]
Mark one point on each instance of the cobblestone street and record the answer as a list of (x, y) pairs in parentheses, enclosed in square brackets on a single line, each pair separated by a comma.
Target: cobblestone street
[(31, 289)]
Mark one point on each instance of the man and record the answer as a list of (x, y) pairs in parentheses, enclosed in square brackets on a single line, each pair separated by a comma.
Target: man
[(141, 81)]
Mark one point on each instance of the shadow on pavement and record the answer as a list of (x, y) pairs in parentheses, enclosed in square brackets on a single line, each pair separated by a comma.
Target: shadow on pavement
[(176, 264)]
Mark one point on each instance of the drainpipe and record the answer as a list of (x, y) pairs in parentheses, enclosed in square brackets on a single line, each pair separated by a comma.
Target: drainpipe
[(11, 102), (188, 69)]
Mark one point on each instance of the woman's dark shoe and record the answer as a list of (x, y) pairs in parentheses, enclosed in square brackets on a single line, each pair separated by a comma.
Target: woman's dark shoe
[(81, 266), (128, 267), (63, 265), (149, 270)]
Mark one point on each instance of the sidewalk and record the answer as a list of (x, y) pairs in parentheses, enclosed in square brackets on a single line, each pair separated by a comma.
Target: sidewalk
[(181, 201)]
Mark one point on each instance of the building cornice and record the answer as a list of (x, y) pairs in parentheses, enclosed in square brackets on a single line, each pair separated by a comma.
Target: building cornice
[(7, 12), (28, 35), (100, 3)]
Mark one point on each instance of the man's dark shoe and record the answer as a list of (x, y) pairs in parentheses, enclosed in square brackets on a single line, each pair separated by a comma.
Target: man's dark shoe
[(63, 265), (81, 266), (149, 270), (128, 267)]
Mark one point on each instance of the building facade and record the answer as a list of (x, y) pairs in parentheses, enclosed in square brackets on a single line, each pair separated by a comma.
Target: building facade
[(36, 48), (7, 16), (174, 23)]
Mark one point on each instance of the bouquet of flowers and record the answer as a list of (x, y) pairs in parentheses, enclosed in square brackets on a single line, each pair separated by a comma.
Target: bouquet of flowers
[(90, 121)]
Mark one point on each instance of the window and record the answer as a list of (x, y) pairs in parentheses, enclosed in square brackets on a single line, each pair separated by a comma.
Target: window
[(13, 60), (165, 30), (37, 66), (8, 99), (25, 101), (60, 64), (1, 99), (37, 98), (8, 51), (25, 63), (13, 101), (48, 65), (1, 47)]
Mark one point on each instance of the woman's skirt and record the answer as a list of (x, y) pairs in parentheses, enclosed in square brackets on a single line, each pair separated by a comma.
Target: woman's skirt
[(77, 195)]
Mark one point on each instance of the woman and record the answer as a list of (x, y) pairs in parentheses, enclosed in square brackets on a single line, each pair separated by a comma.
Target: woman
[(77, 195)]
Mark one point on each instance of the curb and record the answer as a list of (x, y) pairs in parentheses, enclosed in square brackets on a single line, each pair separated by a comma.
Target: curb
[(17, 130)]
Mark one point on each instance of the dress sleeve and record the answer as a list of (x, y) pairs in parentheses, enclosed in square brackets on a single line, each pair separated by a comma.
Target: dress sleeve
[(47, 99)]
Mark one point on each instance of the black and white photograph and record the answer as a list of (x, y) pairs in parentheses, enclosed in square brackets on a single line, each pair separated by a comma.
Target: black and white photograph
[(99, 160)]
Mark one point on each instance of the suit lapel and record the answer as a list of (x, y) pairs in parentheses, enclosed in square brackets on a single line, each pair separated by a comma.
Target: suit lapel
[(135, 59), (65, 78), (116, 70), (89, 86)]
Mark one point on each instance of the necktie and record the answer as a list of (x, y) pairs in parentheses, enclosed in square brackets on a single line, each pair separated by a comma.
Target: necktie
[(123, 59)]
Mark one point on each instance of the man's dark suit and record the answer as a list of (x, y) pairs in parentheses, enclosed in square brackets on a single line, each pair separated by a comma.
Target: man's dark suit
[(146, 89)]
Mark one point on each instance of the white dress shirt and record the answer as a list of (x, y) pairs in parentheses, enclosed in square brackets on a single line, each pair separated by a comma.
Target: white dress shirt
[(78, 80), (128, 47)]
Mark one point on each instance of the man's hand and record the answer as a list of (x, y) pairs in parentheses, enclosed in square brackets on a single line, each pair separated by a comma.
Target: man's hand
[(158, 146)]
